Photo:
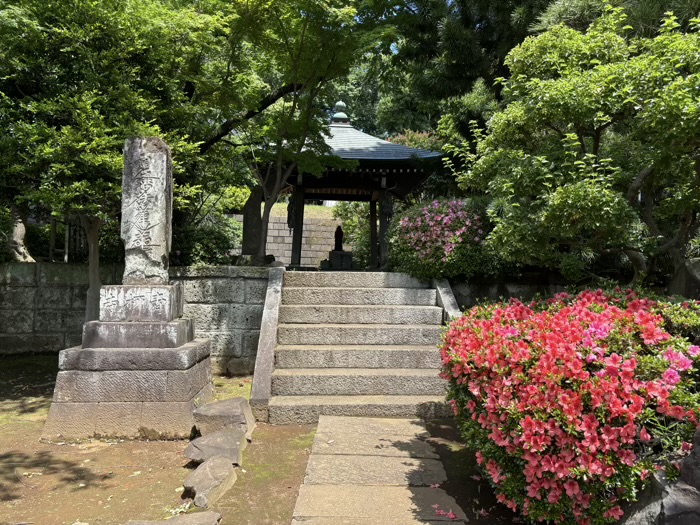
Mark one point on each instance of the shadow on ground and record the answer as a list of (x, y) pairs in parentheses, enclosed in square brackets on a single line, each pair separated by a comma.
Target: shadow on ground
[(14, 465), (26, 385), (464, 482)]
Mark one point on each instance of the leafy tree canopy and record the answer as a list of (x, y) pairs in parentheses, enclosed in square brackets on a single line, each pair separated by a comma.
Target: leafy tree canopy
[(597, 152)]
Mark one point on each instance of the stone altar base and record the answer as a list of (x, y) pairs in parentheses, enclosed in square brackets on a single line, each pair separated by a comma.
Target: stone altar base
[(138, 374)]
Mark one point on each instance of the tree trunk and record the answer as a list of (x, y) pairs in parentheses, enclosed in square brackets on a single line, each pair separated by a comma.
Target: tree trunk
[(252, 222), (17, 246), (639, 264), (264, 226), (92, 226)]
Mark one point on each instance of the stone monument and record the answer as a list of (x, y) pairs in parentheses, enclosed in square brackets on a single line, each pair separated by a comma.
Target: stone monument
[(139, 371)]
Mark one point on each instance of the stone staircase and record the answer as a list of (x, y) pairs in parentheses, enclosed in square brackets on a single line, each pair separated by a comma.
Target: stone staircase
[(356, 344)]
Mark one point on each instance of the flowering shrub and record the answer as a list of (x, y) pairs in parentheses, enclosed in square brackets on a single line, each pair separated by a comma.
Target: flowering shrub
[(439, 239), (573, 401)]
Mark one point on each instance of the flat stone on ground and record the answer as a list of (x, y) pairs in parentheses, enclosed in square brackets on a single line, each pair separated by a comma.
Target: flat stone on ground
[(210, 481), (373, 470), (196, 518), (399, 505), (229, 443), (352, 443), (229, 413), (372, 425)]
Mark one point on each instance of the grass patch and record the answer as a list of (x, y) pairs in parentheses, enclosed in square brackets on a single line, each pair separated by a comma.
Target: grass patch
[(230, 387), (311, 211)]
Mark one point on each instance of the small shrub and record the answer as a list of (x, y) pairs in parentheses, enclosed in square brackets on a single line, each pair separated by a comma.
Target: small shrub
[(572, 402), (440, 239), (211, 242)]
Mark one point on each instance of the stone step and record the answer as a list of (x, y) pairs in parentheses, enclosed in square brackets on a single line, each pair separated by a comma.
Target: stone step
[(356, 381), (367, 314), (302, 410), (353, 280), (357, 356), (358, 334), (356, 296)]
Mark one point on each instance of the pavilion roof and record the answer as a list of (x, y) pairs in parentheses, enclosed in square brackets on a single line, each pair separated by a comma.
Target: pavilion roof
[(350, 143)]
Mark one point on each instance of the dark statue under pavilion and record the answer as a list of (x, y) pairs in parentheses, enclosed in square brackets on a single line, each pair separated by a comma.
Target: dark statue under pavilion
[(381, 172)]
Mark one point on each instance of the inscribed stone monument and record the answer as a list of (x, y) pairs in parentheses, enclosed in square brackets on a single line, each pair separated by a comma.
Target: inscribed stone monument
[(139, 371), (147, 209)]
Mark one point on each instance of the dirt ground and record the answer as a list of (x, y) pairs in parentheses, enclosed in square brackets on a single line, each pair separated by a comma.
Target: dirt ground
[(111, 482)]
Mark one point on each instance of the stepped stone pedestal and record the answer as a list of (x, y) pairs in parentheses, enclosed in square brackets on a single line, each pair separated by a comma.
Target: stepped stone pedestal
[(139, 371), (132, 378)]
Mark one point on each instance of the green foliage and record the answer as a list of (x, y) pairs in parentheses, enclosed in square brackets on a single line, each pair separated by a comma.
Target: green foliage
[(593, 155), (354, 218), (208, 236), (212, 241), (643, 15), (80, 77), (5, 232)]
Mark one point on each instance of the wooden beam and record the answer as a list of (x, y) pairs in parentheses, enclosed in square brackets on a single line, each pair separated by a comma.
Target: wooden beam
[(385, 210)]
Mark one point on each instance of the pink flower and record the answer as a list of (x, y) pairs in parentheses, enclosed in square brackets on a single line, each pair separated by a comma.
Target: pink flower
[(615, 513), (671, 377)]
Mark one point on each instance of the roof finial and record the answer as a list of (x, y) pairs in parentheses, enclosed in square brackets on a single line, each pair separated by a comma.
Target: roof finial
[(340, 116)]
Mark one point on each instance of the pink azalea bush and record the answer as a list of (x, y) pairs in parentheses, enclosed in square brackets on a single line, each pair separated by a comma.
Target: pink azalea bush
[(442, 238), (572, 402)]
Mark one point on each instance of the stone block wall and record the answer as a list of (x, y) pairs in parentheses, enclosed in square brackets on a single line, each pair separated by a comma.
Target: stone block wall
[(318, 239), (226, 305), (42, 305), (42, 308)]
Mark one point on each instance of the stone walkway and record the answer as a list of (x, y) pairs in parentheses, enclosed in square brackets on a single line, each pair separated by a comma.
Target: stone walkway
[(372, 470)]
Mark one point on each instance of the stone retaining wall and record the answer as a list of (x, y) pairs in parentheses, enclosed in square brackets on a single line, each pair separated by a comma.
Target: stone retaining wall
[(226, 304), (42, 308), (42, 305)]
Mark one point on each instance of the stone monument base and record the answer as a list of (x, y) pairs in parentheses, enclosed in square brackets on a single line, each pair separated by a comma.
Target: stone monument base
[(131, 378), (337, 260)]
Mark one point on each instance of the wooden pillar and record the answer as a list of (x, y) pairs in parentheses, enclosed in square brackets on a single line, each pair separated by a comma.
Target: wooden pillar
[(373, 246), (297, 235), (385, 212)]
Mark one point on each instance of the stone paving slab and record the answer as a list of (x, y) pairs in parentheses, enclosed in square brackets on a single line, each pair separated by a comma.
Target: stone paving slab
[(373, 470), (373, 504), (372, 445), (363, 521), (372, 425)]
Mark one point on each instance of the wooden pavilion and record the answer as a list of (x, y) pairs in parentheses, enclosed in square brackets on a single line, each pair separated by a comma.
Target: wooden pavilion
[(382, 171)]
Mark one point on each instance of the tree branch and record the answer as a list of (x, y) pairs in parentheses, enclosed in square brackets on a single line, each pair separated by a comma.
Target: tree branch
[(229, 125), (636, 186)]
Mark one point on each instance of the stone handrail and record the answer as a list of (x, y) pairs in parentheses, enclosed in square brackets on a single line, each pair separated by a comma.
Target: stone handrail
[(265, 358), (446, 299)]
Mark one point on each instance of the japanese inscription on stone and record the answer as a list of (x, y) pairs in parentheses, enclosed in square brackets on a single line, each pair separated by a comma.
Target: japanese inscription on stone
[(147, 195)]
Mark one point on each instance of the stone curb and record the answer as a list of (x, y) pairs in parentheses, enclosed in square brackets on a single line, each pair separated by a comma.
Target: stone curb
[(265, 359)]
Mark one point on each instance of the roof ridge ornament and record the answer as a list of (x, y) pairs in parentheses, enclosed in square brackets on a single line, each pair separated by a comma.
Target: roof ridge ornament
[(339, 115)]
